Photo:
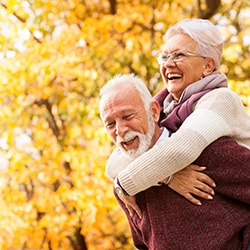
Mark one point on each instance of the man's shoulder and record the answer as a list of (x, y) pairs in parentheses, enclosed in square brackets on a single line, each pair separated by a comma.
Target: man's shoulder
[(227, 147)]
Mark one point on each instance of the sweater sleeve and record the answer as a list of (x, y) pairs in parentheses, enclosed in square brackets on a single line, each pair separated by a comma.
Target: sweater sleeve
[(116, 163), (218, 113)]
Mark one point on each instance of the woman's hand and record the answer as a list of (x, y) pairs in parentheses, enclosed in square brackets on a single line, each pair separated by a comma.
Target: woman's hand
[(191, 181), (187, 182)]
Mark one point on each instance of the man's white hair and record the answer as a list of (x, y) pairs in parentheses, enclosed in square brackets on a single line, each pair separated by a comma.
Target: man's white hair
[(128, 79), (206, 34)]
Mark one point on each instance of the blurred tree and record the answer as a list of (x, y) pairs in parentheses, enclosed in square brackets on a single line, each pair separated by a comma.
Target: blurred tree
[(55, 56)]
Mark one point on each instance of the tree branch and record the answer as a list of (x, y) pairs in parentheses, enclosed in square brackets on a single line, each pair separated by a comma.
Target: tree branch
[(51, 119), (113, 5), (21, 20), (211, 8)]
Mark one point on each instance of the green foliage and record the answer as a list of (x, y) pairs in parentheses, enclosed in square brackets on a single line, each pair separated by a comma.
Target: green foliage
[(55, 56)]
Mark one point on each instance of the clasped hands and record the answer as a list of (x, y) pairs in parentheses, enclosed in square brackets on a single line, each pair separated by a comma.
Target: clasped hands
[(187, 182)]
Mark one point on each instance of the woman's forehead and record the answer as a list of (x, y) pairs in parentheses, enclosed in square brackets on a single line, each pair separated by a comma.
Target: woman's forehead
[(179, 42)]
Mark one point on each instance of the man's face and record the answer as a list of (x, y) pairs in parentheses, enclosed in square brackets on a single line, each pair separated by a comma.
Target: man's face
[(126, 120)]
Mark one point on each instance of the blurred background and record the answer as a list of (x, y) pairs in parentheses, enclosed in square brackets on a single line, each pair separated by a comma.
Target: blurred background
[(55, 55)]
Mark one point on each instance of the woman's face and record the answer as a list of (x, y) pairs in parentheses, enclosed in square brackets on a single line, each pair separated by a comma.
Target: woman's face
[(178, 75)]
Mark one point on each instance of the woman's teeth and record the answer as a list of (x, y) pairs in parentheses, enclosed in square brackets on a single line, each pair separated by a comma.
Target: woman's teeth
[(174, 76)]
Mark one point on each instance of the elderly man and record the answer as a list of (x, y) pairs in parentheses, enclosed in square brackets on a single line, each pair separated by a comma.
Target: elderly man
[(168, 221)]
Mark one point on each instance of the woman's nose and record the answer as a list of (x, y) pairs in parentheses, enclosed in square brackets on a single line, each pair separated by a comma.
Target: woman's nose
[(169, 63)]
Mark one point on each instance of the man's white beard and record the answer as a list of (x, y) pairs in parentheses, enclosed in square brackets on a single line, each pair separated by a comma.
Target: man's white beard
[(144, 140)]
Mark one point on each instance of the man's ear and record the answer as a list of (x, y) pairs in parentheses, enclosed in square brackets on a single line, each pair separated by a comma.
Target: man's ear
[(209, 67), (155, 110)]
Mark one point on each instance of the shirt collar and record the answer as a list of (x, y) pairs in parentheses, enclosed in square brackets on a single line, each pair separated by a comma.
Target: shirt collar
[(164, 135)]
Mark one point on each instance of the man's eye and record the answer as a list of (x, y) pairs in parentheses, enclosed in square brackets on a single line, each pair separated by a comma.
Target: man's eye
[(110, 125), (128, 117)]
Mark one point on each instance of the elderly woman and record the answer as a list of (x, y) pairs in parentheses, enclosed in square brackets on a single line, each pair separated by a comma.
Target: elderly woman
[(189, 65)]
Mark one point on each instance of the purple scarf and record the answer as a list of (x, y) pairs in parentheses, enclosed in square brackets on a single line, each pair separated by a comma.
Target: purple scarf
[(173, 113)]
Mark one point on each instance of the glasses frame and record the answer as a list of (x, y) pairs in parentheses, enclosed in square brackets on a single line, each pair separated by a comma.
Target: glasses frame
[(172, 56)]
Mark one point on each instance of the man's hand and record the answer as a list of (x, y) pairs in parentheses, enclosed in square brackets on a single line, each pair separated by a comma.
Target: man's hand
[(190, 181), (131, 205)]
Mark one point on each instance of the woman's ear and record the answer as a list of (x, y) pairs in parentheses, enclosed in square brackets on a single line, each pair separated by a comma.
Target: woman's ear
[(155, 110), (209, 66)]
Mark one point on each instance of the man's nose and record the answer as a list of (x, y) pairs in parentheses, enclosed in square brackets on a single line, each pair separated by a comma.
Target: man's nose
[(121, 129)]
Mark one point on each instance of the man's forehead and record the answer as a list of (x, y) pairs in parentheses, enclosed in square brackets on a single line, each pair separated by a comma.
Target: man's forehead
[(123, 96), (120, 104)]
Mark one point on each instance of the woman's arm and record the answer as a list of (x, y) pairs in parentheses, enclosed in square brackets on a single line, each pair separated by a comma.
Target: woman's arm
[(116, 163), (218, 113)]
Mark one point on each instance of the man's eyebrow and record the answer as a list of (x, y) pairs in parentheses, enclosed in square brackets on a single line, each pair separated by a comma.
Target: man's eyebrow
[(107, 120), (128, 112)]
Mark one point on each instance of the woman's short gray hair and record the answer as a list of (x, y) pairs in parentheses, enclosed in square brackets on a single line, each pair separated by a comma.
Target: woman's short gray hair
[(135, 81), (206, 34)]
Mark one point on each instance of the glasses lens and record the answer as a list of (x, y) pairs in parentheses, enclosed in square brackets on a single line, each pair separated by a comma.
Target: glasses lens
[(178, 56), (160, 59)]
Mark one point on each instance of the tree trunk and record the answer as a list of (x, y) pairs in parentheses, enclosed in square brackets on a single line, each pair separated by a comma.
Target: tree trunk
[(211, 8)]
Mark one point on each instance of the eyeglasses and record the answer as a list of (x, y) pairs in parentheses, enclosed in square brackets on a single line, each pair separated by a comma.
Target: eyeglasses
[(177, 56)]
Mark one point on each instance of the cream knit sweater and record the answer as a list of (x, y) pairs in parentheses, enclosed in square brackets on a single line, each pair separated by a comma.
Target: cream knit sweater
[(218, 113)]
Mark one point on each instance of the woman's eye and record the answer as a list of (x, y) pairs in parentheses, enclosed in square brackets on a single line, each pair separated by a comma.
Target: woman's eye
[(179, 54)]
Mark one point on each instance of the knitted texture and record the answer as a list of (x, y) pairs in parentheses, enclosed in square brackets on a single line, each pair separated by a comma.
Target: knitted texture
[(217, 113), (169, 221), (179, 114)]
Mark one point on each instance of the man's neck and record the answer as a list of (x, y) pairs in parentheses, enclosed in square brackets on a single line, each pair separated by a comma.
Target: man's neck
[(157, 134)]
